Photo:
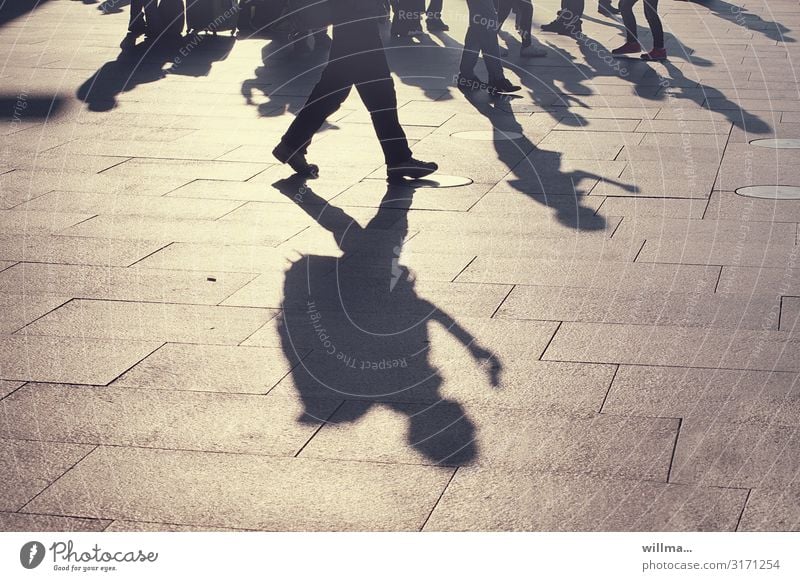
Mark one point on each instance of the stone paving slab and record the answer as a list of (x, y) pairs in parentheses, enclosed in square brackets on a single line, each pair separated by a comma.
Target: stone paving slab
[(210, 368), (676, 346), (30, 222), (16, 522), (173, 230), (731, 206), (714, 251), (790, 314), (638, 208), (213, 422), (481, 499), (70, 360), (444, 434), (682, 309), (112, 205), (92, 282), (619, 276), (761, 280), (72, 250), (19, 310), (705, 394), (772, 509), (269, 493), (138, 321), (745, 455), (30, 467), (7, 387)]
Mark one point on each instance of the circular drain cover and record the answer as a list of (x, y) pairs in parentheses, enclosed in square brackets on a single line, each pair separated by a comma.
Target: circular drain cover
[(440, 181), (488, 135), (777, 143), (771, 192)]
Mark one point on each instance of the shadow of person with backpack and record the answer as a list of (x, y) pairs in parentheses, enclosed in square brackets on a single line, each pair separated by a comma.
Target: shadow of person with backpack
[(369, 330)]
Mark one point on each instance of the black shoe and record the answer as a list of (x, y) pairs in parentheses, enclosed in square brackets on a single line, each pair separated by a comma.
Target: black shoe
[(556, 26), (503, 86), (296, 160), (436, 25), (411, 168), (469, 83), (129, 41), (606, 9)]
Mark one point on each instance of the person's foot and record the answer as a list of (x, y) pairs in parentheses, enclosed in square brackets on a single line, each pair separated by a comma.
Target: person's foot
[(561, 26), (503, 86), (606, 9), (436, 25), (657, 54), (556, 26), (532, 52), (296, 160), (630, 47), (469, 82), (129, 41), (411, 168)]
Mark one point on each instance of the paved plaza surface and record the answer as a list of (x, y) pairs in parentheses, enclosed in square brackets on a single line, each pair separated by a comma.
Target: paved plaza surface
[(593, 331)]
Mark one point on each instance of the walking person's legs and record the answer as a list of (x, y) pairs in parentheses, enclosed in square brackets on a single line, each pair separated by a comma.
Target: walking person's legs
[(632, 44), (482, 34), (433, 17), (356, 57), (568, 21), (659, 53)]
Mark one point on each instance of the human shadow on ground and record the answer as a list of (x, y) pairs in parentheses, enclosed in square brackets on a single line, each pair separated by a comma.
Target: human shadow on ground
[(369, 331), (192, 55), (539, 173), (285, 77), (745, 19)]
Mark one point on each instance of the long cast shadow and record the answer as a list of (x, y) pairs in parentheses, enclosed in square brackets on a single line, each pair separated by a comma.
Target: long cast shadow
[(369, 331), (145, 63)]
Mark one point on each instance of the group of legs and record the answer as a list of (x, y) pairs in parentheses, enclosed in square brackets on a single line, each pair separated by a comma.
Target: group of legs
[(357, 59), (407, 19), (568, 21)]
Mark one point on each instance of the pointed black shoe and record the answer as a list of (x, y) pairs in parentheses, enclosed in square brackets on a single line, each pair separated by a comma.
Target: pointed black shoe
[(502, 87), (411, 168), (296, 160)]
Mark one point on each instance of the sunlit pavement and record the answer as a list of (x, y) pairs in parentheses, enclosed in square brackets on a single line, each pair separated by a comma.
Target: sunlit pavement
[(591, 331)]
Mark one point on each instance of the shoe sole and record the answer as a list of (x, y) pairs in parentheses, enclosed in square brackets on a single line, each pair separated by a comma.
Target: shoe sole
[(395, 175)]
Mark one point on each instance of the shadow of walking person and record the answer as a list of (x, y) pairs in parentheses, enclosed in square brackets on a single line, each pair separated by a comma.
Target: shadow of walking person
[(131, 68), (369, 331), (540, 173)]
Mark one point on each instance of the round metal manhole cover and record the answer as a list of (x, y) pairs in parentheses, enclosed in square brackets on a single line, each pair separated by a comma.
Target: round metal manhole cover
[(771, 192), (488, 135), (777, 143)]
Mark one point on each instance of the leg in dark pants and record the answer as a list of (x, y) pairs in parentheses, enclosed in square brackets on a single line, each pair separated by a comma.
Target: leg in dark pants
[(524, 12), (573, 9), (650, 13), (143, 13), (482, 37), (435, 9), (356, 58)]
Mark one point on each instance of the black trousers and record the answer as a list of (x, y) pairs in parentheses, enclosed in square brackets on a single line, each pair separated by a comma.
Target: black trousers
[(356, 58), (650, 13), (524, 12), (572, 9)]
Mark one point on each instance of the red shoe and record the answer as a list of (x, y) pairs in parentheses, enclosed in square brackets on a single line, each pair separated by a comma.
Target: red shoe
[(657, 54), (628, 48)]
